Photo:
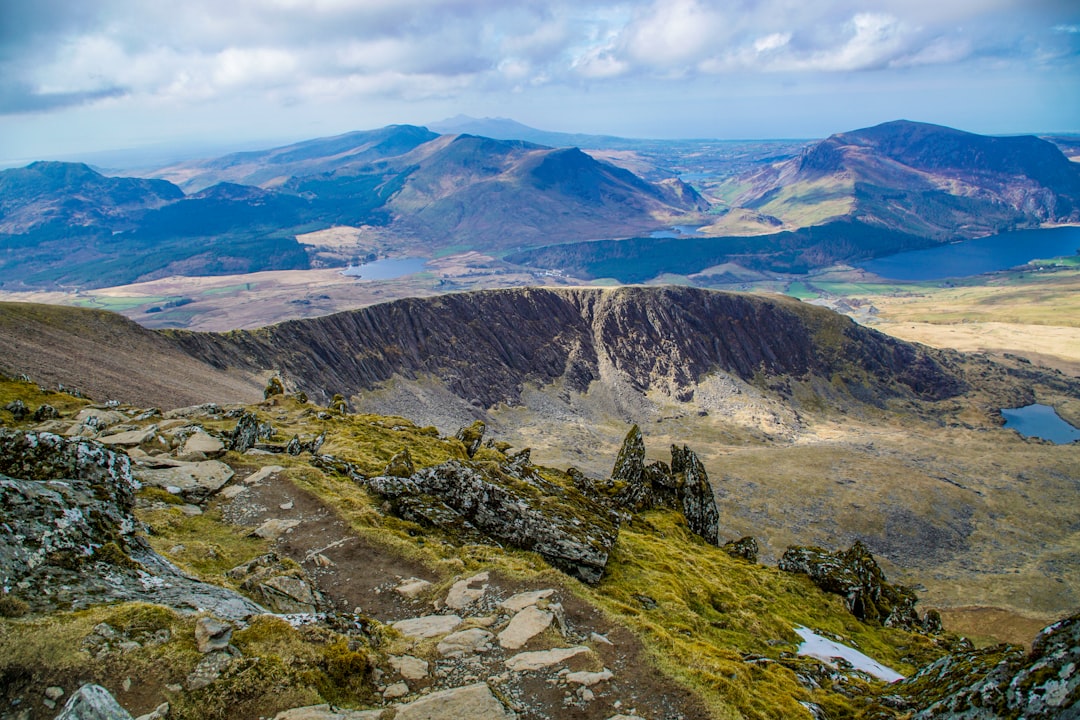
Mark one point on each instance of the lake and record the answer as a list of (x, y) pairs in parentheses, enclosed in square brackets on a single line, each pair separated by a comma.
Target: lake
[(677, 232), (1040, 421), (974, 257), (386, 269)]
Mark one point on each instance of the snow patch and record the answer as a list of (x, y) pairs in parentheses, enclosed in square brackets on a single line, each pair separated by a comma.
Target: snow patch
[(826, 650)]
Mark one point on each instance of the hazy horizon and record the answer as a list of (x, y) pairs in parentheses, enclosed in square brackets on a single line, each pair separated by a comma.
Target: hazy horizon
[(203, 78)]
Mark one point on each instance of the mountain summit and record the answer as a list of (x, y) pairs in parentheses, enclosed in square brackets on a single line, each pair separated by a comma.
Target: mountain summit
[(920, 179)]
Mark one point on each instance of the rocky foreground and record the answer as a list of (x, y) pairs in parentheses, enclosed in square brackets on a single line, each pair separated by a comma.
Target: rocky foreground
[(298, 562)]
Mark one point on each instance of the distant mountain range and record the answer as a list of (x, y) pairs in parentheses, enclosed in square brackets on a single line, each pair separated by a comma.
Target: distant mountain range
[(896, 186)]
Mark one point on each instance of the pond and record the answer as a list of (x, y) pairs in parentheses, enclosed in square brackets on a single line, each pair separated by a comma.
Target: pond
[(974, 257), (387, 269), (1040, 421)]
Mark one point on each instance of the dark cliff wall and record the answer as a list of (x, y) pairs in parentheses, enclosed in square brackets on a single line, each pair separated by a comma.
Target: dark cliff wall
[(486, 345)]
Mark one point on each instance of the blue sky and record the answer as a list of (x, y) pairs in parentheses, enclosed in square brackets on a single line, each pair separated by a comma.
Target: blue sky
[(79, 76)]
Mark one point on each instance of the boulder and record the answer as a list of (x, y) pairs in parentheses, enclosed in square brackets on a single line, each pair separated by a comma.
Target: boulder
[(18, 410), (276, 585), (93, 702), (245, 434), (196, 481), (200, 442), (745, 548), (68, 536), (572, 532), (130, 438), (212, 634), (855, 575), (471, 436), (630, 462), (1000, 681), (400, 466), (412, 587), (475, 702), (274, 528), (409, 667)]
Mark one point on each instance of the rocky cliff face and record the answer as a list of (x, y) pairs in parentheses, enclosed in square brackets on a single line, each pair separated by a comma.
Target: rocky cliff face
[(486, 346)]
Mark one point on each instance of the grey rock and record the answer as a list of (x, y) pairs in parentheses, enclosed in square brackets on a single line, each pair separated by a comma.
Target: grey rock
[(745, 548), (400, 466), (212, 634), (208, 669), (465, 642), (412, 587), (274, 528), (428, 626), (472, 436), (572, 532), (18, 410), (245, 434), (45, 412), (396, 690), (540, 659), (129, 438), (855, 575), (279, 587), (409, 667), (466, 592), (93, 702), (524, 626), (522, 600), (475, 702), (196, 481), (698, 500), (200, 442)]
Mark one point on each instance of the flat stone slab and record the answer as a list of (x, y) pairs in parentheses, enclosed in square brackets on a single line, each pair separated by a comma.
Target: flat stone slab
[(516, 603), (130, 438), (588, 679), (325, 712), (274, 528), (428, 626), (543, 658), (409, 667), (202, 443), (262, 473), (524, 626), (412, 587), (474, 702), (466, 592), (465, 642), (195, 480)]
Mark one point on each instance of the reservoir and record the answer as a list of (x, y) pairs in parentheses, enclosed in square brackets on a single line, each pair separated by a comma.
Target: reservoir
[(973, 257), (386, 269), (1040, 421)]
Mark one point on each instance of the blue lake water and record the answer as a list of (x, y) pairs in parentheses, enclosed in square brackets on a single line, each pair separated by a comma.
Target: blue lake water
[(1040, 421), (677, 232), (386, 269), (973, 257)]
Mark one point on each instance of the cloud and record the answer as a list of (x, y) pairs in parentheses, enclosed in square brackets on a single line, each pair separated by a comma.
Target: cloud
[(61, 53), (17, 98)]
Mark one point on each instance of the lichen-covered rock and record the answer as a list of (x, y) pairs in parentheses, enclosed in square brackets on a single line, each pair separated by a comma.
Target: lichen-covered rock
[(68, 537), (400, 466), (745, 548), (511, 505), (277, 585), (245, 434), (1003, 682), (18, 410), (93, 702), (45, 412), (698, 501), (471, 436), (856, 576), (274, 386), (684, 486)]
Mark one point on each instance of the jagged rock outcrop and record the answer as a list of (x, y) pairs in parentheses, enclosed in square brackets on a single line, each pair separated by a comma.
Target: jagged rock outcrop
[(745, 548), (278, 586), (1003, 682), (510, 504), (68, 536), (855, 575), (684, 486), (471, 436)]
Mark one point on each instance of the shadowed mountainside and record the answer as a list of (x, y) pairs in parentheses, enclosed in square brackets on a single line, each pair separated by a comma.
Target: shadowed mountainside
[(487, 346)]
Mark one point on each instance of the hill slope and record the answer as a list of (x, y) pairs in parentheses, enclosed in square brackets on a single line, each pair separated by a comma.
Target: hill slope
[(925, 180)]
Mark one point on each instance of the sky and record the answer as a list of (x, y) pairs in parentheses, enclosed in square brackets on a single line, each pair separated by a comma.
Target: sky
[(79, 77)]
